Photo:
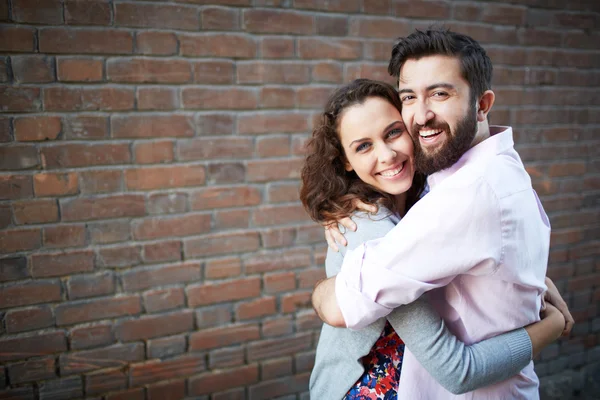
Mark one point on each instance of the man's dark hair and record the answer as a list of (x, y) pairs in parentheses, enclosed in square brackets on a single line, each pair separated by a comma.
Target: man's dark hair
[(476, 66)]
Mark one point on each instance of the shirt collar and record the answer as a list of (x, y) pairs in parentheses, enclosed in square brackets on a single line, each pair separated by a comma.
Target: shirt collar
[(500, 140)]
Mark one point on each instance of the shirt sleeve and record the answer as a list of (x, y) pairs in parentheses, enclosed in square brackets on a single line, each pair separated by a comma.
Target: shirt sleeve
[(451, 231), (459, 368)]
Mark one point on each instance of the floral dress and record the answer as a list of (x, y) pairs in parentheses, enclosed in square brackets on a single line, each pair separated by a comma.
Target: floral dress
[(382, 369)]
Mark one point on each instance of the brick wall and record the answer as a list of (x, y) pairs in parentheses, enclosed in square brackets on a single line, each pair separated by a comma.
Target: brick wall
[(152, 245)]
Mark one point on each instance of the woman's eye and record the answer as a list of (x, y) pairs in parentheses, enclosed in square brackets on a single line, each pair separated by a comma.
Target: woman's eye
[(362, 147), (394, 133)]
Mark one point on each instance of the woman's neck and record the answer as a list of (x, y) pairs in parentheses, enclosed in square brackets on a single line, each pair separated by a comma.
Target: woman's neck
[(401, 203)]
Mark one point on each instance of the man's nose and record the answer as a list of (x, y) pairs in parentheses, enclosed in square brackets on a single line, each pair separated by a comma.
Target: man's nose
[(423, 114)]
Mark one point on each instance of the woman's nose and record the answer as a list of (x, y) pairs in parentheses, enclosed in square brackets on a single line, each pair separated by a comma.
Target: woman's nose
[(386, 155)]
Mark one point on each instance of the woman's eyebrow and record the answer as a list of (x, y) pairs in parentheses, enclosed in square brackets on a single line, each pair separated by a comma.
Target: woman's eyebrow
[(390, 126)]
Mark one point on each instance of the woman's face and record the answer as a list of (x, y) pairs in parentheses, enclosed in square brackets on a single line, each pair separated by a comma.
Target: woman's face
[(377, 145)]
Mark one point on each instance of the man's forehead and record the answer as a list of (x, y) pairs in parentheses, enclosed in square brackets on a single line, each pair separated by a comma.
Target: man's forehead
[(428, 69)]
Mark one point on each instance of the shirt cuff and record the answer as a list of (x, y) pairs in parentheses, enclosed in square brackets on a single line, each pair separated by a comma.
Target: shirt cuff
[(358, 311)]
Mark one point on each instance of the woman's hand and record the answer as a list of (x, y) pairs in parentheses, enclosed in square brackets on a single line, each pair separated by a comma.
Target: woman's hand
[(332, 232), (553, 297), (546, 331)]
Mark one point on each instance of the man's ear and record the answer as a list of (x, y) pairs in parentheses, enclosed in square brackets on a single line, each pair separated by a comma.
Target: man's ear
[(484, 105)]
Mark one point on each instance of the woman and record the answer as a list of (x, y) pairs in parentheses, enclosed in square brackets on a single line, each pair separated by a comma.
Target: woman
[(362, 151)]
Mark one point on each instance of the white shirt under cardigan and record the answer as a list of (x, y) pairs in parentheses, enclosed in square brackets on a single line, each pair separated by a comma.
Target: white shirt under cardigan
[(480, 238), (459, 368)]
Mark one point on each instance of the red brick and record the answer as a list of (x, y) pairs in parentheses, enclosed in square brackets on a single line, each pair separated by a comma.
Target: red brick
[(377, 50), (83, 12), (272, 348), (13, 269), (157, 43), (86, 99), (217, 45), (85, 41), (157, 99), (32, 69), (428, 10), (566, 236), (65, 388), (105, 381), (38, 344), (210, 148), (185, 225), (119, 257), (83, 286), (28, 319), (17, 157), (313, 97), (131, 394), (144, 70), (214, 124), (204, 294), (503, 14), (277, 260), (345, 6), (277, 47), (17, 39), (266, 170), (79, 70), (91, 336), (109, 232), (280, 387), (90, 310), (327, 72), (231, 219), (294, 301), (85, 127), (19, 99), (277, 97), (24, 294), (213, 72), (255, 72), (223, 172), (256, 308), (55, 184), (378, 28), (277, 327), (48, 12), (222, 243), (179, 367), (369, 71), (153, 152), (31, 370), (164, 177), (277, 237), (281, 122), (275, 368), (309, 234), (308, 278), (221, 380), (15, 187), (223, 268), (173, 390), (163, 299), (560, 169), (220, 19), (144, 278), (166, 347), (101, 181), (5, 128), (304, 362), (118, 206), (13, 240), (213, 316), (155, 326), (162, 252), (35, 212), (64, 263), (230, 99), (152, 126), (223, 336), (167, 203), (283, 192), (156, 16), (288, 22), (5, 216), (378, 7), (107, 357)]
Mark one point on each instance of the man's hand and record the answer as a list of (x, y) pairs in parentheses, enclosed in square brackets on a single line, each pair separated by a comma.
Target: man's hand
[(332, 232), (553, 297), (325, 303)]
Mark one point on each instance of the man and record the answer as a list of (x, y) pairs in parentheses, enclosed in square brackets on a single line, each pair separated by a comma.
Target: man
[(478, 241)]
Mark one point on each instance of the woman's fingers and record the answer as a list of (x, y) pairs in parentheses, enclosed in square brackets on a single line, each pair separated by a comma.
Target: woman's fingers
[(364, 206), (553, 297)]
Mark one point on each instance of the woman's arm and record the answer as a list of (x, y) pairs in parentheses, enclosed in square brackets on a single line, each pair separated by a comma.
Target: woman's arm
[(460, 368)]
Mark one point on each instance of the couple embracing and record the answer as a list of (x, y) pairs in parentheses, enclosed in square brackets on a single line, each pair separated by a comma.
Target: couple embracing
[(437, 289)]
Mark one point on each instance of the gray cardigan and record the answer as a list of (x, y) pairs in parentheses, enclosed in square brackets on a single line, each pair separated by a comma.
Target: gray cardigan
[(457, 367)]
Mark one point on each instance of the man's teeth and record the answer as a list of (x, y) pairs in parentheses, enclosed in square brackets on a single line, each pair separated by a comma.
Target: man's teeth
[(429, 133), (392, 172)]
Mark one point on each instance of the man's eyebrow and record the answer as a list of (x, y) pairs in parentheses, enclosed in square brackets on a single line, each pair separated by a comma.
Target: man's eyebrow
[(430, 87)]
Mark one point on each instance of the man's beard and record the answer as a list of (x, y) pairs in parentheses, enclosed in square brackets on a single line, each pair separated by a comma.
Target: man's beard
[(457, 143)]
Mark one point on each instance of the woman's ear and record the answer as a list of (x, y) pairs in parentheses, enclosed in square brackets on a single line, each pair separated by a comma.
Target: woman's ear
[(347, 166), (486, 101)]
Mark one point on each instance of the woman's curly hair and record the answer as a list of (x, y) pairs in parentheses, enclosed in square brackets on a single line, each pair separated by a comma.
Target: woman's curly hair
[(328, 191)]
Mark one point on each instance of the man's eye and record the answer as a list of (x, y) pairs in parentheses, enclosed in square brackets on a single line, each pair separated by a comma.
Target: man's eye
[(440, 94), (406, 98)]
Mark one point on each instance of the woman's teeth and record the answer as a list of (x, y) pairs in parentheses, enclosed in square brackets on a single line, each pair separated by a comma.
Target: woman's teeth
[(392, 172)]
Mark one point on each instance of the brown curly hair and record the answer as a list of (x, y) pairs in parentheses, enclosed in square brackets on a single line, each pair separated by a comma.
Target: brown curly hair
[(328, 191)]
